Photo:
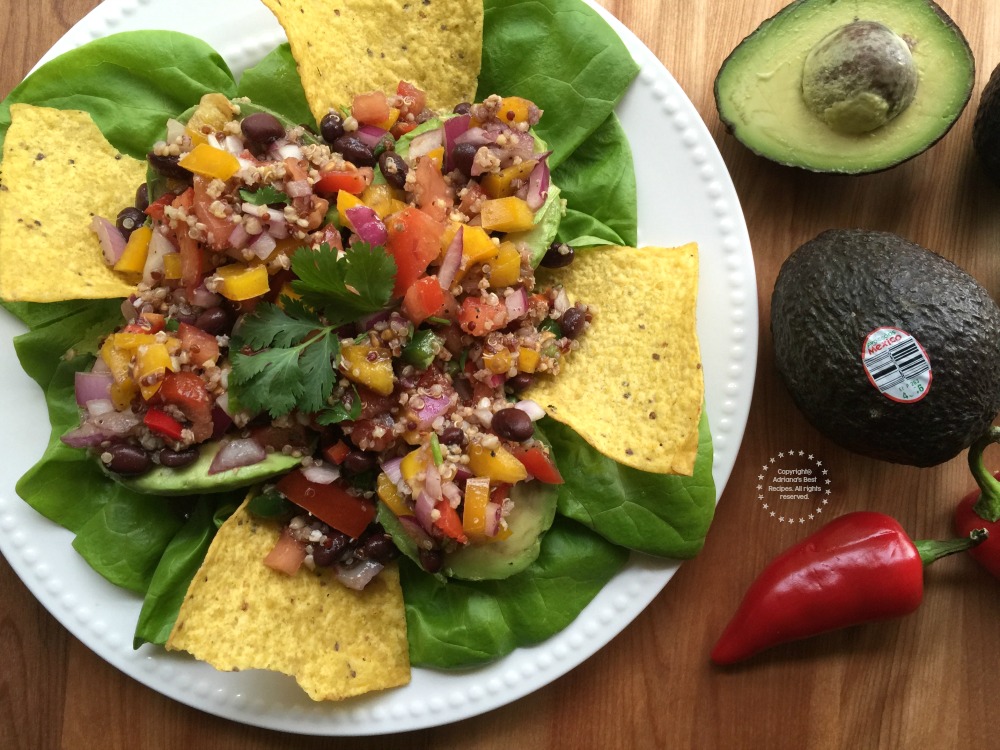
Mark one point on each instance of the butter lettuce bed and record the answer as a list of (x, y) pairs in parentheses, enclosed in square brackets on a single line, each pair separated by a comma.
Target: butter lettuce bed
[(558, 53)]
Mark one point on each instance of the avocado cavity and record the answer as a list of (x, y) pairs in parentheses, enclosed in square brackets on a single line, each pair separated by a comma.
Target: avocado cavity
[(859, 77)]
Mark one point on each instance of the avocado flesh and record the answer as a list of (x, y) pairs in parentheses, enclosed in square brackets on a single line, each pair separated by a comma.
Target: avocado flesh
[(194, 478), (758, 90), (838, 288)]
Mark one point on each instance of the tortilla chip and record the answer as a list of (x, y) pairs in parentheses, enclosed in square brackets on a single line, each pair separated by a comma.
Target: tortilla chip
[(633, 389), (336, 642), (371, 45), (58, 172)]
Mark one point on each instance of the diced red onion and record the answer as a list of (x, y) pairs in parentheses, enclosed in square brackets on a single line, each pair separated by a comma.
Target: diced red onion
[(263, 245), (432, 483), (538, 184), (392, 470), (370, 135), (452, 260), (462, 474), (116, 423), (221, 421), (475, 136), (128, 311), (451, 493), (159, 247), (321, 473), (561, 303), (453, 128), (532, 408), (434, 407), (298, 188), (100, 367), (239, 237), (368, 322), (278, 228), (423, 508), (112, 241), (493, 515), (517, 303), (233, 145), (90, 386), (495, 381), (237, 453), (201, 297), (290, 151), (85, 436), (416, 532), (99, 406), (274, 147), (367, 225), (358, 575), (424, 143)]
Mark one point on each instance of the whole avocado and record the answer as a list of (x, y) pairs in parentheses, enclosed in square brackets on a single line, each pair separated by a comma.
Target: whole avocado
[(986, 127), (846, 311)]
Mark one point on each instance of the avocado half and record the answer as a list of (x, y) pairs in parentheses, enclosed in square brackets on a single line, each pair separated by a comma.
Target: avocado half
[(819, 85), (194, 478), (887, 348)]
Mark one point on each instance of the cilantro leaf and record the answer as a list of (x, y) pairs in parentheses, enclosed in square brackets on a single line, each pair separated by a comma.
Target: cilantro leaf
[(264, 196), (346, 409), (346, 288)]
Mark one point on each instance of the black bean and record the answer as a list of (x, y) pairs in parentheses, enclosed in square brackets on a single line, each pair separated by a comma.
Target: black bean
[(142, 197), (214, 320), (431, 560), (572, 322), (129, 219), (176, 459), (127, 459), (168, 166), (513, 424), (358, 462), (334, 549), (558, 255), (331, 127), (452, 436), (262, 128), (393, 168), (379, 548), (462, 108), (354, 150), (520, 382), (463, 156)]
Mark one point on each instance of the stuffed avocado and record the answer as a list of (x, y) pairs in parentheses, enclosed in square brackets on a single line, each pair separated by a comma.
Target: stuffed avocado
[(846, 87)]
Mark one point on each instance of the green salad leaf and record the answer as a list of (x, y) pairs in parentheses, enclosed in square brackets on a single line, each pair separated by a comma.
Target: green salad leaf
[(130, 83), (274, 83)]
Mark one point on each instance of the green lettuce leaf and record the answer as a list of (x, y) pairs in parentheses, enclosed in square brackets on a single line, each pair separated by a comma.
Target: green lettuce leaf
[(130, 83), (660, 514), (274, 83)]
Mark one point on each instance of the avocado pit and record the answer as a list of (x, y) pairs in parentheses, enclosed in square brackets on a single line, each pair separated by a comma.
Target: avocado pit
[(859, 77)]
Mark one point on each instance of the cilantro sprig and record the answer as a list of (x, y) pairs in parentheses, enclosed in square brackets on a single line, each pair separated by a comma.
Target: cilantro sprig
[(265, 196), (285, 357)]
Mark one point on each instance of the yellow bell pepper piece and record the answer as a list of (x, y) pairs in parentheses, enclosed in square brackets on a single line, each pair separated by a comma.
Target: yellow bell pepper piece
[(390, 495), (501, 184), (513, 109), (196, 137), (117, 359), (505, 269), (497, 464), (379, 198), (151, 364), (388, 122), (450, 230), (527, 359), (506, 215), (497, 362), (241, 282), (172, 266), (133, 258), (345, 201), (477, 246), (436, 155), (375, 373), (412, 464), (122, 394), (210, 162), (477, 496), (132, 341)]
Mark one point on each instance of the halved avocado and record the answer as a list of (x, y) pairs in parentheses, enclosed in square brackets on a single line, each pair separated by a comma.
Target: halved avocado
[(194, 478), (848, 86)]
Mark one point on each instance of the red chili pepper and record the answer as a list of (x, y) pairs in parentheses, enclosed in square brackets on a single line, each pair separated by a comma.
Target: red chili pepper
[(981, 507), (860, 567)]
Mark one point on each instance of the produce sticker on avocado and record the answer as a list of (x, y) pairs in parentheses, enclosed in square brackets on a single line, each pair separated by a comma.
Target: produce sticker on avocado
[(897, 364), (351, 324)]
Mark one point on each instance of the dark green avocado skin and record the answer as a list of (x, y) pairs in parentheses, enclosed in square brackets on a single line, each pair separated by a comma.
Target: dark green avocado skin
[(986, 127), (837, 288)]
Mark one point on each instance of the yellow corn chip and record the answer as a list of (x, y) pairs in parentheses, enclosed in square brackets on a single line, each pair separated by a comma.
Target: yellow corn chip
[(633, 389), (58, 172), (348, 47), (239, 614)]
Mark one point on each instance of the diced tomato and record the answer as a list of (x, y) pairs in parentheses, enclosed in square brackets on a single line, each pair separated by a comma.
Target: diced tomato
[(337, 452), (200, 346), (414, 240), (449, 523), (192, 256), (187, 392), (401, 128), (330, 503), (432, 194), (163, 424), (538, 464), (371, 108), (295, 170), (479, 317), (147, 322), (350, 179), (218, 229), (155, 209), (424, 298), (287, 554), (472, 199), (414, 100)]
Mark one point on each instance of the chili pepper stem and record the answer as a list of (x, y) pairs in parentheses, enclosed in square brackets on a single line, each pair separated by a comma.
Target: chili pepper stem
[(988, 505), (933, 549)]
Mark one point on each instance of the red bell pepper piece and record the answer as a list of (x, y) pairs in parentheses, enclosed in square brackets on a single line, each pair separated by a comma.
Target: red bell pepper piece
[(330, 503), (860, 567), (538, 464), (163, 424), (981, 507)]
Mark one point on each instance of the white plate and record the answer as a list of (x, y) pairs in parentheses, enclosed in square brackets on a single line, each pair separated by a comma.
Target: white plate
[(685, 194)]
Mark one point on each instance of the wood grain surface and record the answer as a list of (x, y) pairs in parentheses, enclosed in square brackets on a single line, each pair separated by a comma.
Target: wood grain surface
[(926, 680)]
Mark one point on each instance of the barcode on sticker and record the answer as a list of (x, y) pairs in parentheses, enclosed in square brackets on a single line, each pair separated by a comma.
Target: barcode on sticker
[(896, 364)]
